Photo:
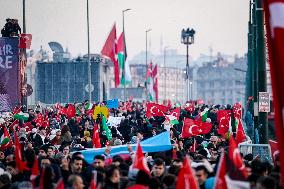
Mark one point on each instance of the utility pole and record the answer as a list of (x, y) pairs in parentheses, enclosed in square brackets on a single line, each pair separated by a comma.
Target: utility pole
[(124, 56), (165, 84), (254, 70), (249, 89), (24, 56), (146, 86), (89, 58), (260, 59)]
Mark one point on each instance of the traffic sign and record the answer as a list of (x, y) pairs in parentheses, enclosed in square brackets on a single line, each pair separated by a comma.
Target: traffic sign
[(87, 88)]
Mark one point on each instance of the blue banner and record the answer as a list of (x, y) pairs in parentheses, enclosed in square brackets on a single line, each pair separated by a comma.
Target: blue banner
[(158, 143), (112, 103)]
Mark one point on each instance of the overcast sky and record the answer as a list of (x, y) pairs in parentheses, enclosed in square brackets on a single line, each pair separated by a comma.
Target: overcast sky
[(221, 24)]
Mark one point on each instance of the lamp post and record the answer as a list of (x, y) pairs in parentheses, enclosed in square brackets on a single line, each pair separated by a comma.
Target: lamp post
[(190, 83), (187, 38), (89, 61), (147, 47), (165, 86), (24, 55), (124, 54), (148, 30)]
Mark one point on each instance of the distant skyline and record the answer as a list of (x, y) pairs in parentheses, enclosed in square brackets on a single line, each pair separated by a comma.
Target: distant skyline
[(220, 25)]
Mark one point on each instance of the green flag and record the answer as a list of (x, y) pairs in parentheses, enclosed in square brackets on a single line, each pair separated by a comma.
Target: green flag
[(121, 56), (106, 128)]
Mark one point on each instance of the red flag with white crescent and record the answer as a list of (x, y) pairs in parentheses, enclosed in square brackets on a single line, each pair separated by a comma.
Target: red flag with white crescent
[(96, 137), (153, 109), (273, 148), (25, 41), (186, 177), (175, 113), (274, 14), (190, 128), (140, 161), (236, 158)]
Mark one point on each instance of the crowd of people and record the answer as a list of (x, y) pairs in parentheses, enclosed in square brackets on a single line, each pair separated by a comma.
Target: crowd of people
[(52, 140)]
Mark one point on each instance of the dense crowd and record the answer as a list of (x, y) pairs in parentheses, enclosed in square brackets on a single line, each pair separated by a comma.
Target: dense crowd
[(52, 140)]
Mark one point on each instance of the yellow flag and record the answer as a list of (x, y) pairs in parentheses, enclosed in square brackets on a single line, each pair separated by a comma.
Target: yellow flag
[(101, 110)]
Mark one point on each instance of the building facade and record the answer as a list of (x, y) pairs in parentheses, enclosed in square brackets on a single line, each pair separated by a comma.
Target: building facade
[(66, 82), (220, 82), (171, 82)]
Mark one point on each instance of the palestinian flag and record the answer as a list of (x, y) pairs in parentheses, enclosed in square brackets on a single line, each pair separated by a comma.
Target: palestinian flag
[(204, 114), (6, 141), (172, 119), (150, 83), (21, 116), (122, 55)]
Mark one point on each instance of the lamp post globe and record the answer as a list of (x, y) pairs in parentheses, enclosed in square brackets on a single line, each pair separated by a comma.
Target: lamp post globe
[(187, 38)]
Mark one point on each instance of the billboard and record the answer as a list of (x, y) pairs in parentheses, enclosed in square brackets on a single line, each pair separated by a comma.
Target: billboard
[(9, 74)]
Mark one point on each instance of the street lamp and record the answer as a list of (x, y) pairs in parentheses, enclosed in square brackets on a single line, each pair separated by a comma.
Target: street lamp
[(190, 83), (24, 99), (165, 86), (187, 38), (124, 54), (89, 58), (148, 30)]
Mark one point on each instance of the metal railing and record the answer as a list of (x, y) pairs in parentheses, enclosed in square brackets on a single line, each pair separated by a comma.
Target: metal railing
[(261, 150)]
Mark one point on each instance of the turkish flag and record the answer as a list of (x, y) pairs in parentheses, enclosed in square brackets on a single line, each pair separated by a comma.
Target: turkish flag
[(220, 182), (175, 113), (190, 128), (186, 176), (71, 111), (140, 161), (240, 135), (110, 50), (237, 161), (35, 169), (153, 109), (273, 148), (138, 186), (45, 121), (39, 120), (223, 114), (237, 110), (96, 137), (205, 127), (274, 14), (223, 118), (60, 184), (25, 41), (21, 165), (189, 107)]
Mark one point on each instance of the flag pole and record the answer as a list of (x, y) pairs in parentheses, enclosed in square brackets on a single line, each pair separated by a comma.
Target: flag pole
[(89, 61), (24, 55), (124, 56), (148, 30)]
